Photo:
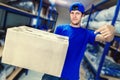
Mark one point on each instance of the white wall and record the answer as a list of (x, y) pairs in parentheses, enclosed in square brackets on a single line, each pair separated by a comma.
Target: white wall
[(63, 15)]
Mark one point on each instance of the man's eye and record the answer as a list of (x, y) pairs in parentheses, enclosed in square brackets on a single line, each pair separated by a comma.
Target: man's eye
[(77, 13), (72, 13)]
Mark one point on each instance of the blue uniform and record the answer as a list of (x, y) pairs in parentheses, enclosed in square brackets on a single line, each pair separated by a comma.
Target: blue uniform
[(78, 39)]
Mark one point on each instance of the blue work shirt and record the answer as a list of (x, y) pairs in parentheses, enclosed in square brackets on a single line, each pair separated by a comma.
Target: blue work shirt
[(78, 39)]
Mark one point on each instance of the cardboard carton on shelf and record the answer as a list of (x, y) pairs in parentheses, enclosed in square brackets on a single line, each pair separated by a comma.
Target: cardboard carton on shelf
[(35, 49)]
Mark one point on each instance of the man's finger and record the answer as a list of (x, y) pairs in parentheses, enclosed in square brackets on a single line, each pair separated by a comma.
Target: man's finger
[(102, 28)]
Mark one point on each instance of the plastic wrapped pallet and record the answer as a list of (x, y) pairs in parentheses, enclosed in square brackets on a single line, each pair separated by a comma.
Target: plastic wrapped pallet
[(35, 49)]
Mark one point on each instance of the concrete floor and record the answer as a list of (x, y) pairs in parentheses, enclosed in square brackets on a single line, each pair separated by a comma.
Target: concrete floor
[(32, 75)]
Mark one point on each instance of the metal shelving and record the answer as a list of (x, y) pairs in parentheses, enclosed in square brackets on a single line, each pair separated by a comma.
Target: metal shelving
[(10, 9), (107, 46), (94, 67)]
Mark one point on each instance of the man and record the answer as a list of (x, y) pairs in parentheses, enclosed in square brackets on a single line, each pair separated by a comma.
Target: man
[(78, 39)]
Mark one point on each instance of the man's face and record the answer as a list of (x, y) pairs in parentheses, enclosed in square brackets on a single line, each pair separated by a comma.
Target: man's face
[(75, 17)]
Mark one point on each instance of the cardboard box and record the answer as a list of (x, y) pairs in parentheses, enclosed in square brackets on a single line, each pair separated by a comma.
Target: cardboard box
[(35, 49)]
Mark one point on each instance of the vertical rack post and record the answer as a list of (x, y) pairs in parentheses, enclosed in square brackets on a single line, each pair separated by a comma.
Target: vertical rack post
[(5, 20), (89, 16), (50, 14), (38, 17), (106, 49)]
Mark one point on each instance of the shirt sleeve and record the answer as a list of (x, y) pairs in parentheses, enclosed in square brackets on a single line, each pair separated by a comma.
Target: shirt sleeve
[(91, 38), (58, 30)]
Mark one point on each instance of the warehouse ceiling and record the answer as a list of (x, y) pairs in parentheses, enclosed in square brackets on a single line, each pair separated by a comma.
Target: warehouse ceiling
[(5, 1), (101, 4), (65, 3)]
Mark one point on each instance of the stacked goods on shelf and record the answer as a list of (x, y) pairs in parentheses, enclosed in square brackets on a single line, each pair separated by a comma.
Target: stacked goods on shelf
[(91, 60), (111, 68), (115, 54), (26, 5), (93, 56), (96, 52), (102, 17), (27, 13)]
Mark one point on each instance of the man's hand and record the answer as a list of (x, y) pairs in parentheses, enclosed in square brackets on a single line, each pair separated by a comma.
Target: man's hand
[(107, 33)]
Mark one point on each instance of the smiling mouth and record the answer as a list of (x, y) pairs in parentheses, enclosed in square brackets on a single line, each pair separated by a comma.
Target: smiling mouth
[(75, 19)]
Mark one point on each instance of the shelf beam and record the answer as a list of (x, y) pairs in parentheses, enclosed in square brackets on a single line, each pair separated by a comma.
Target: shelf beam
[(1, 50), (16, 10), (14, 74)]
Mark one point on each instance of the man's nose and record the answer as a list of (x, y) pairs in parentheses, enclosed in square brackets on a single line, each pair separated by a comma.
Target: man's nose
[(74, 15)]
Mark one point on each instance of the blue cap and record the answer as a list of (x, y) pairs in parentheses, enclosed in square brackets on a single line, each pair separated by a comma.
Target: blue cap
[(77, 6)]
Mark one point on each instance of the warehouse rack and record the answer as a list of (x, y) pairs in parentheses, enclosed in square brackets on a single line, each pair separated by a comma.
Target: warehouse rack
[(15, 11), (97, 70), (10, 9)]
